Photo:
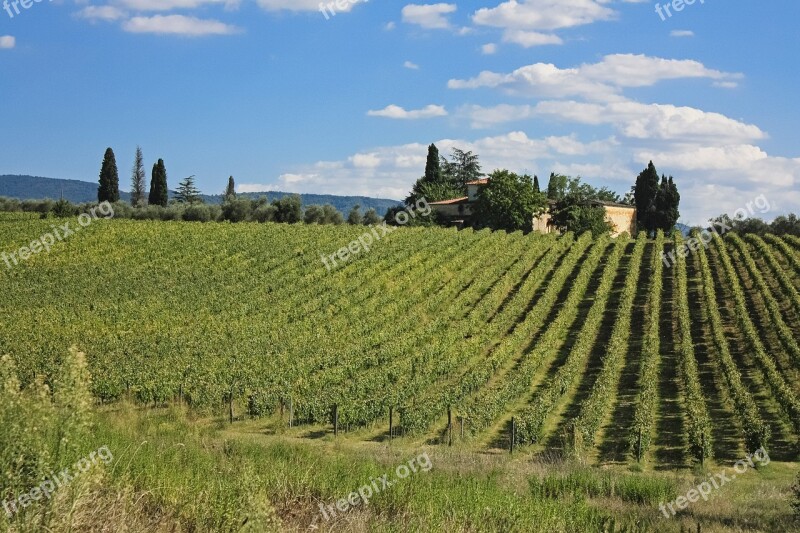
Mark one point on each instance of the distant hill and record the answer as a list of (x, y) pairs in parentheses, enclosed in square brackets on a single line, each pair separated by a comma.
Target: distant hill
[(38, 188)]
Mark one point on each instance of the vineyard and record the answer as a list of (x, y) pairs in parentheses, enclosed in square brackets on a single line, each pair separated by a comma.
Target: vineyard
[(591, 347)]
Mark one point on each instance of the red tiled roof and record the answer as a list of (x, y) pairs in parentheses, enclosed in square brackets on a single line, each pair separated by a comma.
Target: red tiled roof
[(451, 202), (482, 181)]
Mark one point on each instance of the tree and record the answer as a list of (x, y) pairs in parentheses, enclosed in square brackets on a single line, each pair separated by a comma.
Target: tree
[(673, 212), (332, 215), (354, 217), (187, 193), (433, 186), (108, 190), (508, 202), (462, 168), (138, 180), (230, 190), (536, 187), (290, 209), (644, 195), (371, 217), (159, 194), (580, 218)]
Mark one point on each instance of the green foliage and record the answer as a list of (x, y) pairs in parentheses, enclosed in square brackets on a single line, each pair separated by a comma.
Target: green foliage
[(138, 180), (43, 431), (230, 190), (436, 185), (237, 210), (462, 168), (108, 191), (508, 202), (289, 209), (590, 483), (187, 193), (159, 192), (355, 217), (657, 205), (371, 217), (580, 218)]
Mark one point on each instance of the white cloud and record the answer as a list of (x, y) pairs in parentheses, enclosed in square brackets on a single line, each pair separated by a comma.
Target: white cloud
[(431, 16), (681, 33), (397, 112), (169, 5), (489, 49), (410, 65), (7, 42), (178, 25), (529, 39), (601, 81), (543, 15), (106, 13)]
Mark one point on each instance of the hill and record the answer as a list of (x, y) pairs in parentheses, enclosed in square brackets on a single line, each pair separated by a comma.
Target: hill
[(596, 349), (38, 188)]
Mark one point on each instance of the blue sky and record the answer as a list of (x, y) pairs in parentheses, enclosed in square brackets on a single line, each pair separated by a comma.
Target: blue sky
[(281, 97)]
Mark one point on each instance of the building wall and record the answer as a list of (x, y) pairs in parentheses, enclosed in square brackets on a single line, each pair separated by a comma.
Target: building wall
[(472, 192), (541, 224), (623, 219)]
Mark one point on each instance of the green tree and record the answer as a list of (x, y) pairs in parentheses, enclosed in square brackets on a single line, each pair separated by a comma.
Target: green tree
[(462, 168), (433, 186), (371, 217), (159, 194), (645, 193), (138, 180), (536, 187), (187, 193), (108, 190), (290, 209), (230, 190), (581, 217), (557, 186), (354, 217), (508, 202)]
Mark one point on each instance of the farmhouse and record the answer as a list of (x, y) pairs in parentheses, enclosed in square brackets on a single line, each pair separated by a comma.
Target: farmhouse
[(458, 211)]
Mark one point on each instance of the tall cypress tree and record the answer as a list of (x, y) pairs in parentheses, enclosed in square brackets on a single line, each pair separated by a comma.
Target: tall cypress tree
[(536, 184), (138, 180), (159, 194), (230, 190), (673, 204), (645, 193), (108, 190), (433, 169)]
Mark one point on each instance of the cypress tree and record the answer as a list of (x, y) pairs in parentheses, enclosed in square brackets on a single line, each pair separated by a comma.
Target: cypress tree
[(536, 184), (138, 177), (433, 170), (159, 194), (230, 190), (108, 191), (645, 193)]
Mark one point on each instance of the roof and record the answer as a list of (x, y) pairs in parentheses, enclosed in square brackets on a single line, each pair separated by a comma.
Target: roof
[(482, 181), (451, 202), (611, 204)]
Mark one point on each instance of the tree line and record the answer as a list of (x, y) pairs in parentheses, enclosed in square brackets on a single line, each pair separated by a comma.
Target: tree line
[(511, 201)]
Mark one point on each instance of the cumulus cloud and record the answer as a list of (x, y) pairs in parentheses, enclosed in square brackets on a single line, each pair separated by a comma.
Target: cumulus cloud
[(430, 16), (397, 112), (178, 25), (602, 81), (7, 42)]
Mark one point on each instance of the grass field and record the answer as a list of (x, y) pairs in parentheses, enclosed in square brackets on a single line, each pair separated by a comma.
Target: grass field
[(624, 381)]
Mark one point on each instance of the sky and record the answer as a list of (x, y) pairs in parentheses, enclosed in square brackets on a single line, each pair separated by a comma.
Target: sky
[(288, 95)]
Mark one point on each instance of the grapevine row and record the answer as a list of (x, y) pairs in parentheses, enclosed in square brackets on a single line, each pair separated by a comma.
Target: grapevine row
[(594, 409), (532, 418)]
